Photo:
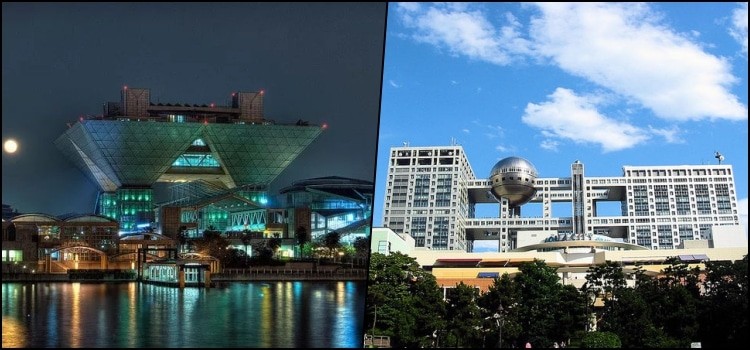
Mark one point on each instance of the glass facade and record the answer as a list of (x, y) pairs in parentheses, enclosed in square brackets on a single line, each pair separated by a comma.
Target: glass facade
[(418, 230), (126, 157), (440, 233), (640, 194), (133, 208), (196, 160), (212, 217)]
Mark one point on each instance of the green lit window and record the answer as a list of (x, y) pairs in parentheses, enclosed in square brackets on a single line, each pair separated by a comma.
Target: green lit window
[(196, 160), (12, 255), (178, 118)]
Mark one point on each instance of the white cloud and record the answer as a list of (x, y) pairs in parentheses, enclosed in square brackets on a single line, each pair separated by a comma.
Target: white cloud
[(491, 131), (671, 135), (742, 209), (466, 32), (466, 131), (569, 116), (503, 149), (739, 26), (494, 131), (409, 6), (623, 47), (550, 145), (453, 82), (394, 84)]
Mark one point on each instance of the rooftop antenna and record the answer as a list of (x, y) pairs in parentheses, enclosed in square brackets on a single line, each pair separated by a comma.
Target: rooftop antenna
[(406, 143), (719, 156)]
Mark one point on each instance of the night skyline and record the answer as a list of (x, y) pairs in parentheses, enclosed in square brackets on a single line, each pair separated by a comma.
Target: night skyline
[(64, 61)]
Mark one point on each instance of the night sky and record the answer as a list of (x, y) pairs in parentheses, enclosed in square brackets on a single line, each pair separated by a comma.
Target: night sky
[(318, 62)]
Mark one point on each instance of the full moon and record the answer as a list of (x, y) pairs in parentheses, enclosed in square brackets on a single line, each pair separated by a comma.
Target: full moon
[(10, 146)]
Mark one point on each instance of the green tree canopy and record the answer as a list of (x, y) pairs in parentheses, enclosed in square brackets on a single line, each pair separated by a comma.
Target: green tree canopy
[(403, 301), (332, 241), (600, 340), (464, 317)]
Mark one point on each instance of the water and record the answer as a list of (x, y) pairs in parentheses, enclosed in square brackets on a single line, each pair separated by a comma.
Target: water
[(239, 314)]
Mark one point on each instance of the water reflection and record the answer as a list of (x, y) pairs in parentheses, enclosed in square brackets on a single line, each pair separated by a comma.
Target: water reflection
[(15, 334), (276, 314)]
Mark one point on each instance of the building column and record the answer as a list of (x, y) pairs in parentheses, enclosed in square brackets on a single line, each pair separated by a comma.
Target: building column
[(181, 278)]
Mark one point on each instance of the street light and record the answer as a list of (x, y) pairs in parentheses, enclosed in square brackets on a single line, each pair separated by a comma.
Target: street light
[(499, 319)]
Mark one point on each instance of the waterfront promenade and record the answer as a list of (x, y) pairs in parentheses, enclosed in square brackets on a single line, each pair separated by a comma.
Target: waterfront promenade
[(294, 272), (273, 273)]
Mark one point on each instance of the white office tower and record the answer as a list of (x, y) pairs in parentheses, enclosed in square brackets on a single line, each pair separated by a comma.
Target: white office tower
[(431, 194), (426, 195)]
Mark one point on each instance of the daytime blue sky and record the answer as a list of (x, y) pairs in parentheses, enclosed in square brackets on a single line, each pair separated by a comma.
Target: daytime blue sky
[(609, 84)]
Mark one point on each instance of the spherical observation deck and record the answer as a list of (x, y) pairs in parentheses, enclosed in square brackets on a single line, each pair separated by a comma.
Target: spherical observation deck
[(513, 178)]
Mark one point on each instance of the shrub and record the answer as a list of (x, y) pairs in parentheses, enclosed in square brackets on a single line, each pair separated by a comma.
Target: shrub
[(598, 340)]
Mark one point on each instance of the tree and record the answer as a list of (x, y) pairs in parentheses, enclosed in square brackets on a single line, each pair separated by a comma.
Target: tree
[(643, 316), (234, 258), (673, 307), (572, 314), (407, 301), (463, 316), (723, 318), (629, 320), (212, 244), (300, 233), (273, 244), (502, 294), (332, 240), (308, 249), (605, 279), (598, 340), (539, 288)]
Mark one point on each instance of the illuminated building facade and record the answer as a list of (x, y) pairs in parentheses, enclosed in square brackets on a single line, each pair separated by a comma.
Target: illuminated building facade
[(48, 243), (431, 195), (231, 152), (327, 204)]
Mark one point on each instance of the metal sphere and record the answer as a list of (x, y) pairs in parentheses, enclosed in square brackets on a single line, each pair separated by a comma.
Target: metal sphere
[(513, 178)]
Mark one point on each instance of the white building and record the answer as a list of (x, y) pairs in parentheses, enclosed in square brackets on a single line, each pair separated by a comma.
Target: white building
[(385, 241), (427, 195), (431, 194)]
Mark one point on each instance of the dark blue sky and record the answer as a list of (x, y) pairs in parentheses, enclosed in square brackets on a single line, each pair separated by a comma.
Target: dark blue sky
[(317, 62)]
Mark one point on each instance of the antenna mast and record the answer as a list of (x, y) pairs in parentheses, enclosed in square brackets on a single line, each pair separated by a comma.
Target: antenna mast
[(719, 156)]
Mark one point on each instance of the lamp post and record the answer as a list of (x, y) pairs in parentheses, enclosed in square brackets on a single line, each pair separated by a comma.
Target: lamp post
[(499, 319)]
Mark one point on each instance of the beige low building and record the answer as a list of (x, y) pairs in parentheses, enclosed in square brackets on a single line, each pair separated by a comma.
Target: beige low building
[(571, 258)]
